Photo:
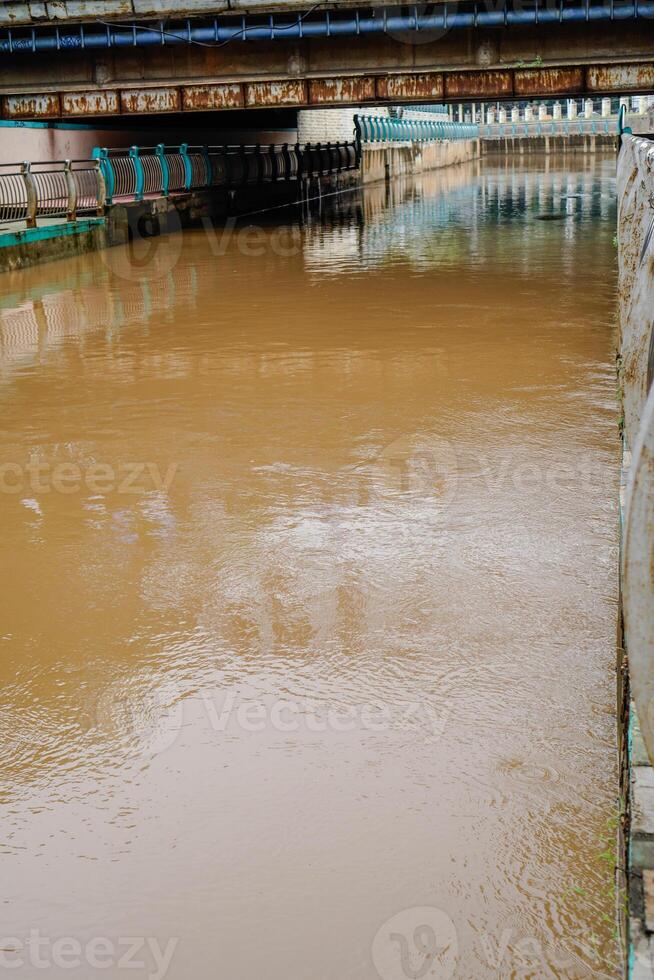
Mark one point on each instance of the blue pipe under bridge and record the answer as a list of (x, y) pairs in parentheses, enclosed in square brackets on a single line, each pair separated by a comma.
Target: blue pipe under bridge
[(321, 23), (386, 129)]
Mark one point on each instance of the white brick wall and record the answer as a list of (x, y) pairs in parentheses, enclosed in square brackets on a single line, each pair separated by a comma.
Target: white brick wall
[(336, 125), (424, 116), (331, 125)]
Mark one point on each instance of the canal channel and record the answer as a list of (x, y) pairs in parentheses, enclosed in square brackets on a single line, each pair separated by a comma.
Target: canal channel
[(308, 631)]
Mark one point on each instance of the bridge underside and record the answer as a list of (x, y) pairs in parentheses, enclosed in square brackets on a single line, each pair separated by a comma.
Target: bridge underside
[(467, 64)]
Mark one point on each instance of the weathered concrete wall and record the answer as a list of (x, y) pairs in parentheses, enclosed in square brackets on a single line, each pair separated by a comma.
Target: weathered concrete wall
[(387, 162), (635, 180), (526, 145), (18, 250)]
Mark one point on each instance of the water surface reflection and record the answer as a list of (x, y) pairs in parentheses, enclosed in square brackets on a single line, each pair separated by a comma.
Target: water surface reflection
[(310, 593)]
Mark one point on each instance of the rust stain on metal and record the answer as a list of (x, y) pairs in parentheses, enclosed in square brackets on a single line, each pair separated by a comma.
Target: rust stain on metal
[(221, 96), (45, 106), (90, 103), (150, 100), (548, 81), (620, 78), (427, 85), (459, 84), (356, 89), (283, 92)]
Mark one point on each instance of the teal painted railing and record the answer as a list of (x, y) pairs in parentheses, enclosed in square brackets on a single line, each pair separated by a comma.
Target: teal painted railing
[(64, 188), (384, 129), (162, 170)]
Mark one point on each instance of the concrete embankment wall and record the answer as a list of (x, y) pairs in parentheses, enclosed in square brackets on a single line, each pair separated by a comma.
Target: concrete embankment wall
[(588, 143), (635, 185), (388, 162)]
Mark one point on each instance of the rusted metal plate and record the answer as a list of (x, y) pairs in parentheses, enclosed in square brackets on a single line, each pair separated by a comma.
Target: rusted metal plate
[(480, 84), (548, 81), (45, 106), (105, 103), (287, 91), (620, 78), (359, 88), (150, 100), (427, 85), (225, 96)]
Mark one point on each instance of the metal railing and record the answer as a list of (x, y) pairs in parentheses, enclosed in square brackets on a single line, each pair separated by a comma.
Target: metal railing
[(67, 188), (50, 189), (385, 129), (131, 175), (549, 127)]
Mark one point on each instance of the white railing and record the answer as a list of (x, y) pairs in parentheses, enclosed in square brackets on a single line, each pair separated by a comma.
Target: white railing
[(50, 189)]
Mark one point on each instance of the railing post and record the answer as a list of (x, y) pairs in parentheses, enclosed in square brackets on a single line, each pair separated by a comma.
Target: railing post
[(101, 154), (274, 163), (300, 161), (357, 129), (138, 171), (621, 121), (287, 161), (71, 188), (188, 172), (227, 166), (207, 163), (245, 165), (101, 189), (259, 163), (160, 152), (30, 187)]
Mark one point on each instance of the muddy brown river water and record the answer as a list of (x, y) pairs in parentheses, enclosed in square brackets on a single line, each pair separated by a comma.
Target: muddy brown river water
[(308, 599)]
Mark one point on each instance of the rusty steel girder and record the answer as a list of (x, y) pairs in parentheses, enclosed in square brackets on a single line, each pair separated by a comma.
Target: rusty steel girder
[(372, 88)]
